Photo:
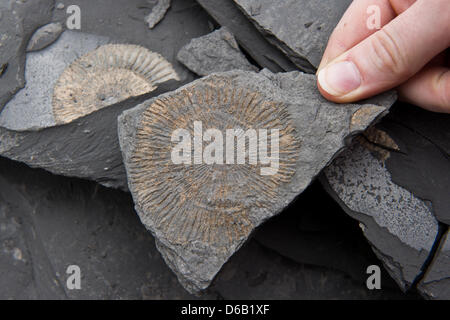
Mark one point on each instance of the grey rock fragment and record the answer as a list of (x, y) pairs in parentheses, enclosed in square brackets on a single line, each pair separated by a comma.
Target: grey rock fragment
[(158, 13), (19, 21), (197, 249), (400, 227), (31, 108), (215, 52), (436, 282), (44, 36), (300, 28), (265, 54)]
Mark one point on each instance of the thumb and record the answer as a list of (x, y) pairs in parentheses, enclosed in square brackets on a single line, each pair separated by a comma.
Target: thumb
[(390, 56)]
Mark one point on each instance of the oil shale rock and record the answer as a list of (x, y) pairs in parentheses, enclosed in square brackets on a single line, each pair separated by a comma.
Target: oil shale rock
[(400, 227), (44, 36), (215, 52), (19, 20), (105, 75), (158, 13), (201, 208), (264, 53), (300, 28), (79, 85)]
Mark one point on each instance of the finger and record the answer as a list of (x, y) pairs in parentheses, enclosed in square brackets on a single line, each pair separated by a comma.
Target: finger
[(401, 5), (429, 89), (352, 28), (390, 56)]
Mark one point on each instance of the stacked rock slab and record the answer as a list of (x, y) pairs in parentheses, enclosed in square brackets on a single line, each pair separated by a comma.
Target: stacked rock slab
[(264, 53), (400, 227), (200, 213), (300, 28), (214, 52)]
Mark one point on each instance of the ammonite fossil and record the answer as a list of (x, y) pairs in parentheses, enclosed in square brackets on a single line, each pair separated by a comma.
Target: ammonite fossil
[(197, 201), (105, 76), (211, 161)]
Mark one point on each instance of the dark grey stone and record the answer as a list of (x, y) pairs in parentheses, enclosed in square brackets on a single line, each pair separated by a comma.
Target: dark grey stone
[(400, 227), (265, 54), (320, 130), (215, 52), (44, 36), (19, 20), (300, 28)]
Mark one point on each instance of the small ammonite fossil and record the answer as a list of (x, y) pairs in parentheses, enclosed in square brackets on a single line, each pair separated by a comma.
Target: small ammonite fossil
[(204, 202), (110, 74)]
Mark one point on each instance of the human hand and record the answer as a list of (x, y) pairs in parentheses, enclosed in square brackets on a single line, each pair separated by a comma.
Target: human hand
[(407, 53)]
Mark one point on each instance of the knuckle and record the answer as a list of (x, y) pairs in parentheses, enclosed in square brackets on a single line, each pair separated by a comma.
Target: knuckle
[(387, 55)]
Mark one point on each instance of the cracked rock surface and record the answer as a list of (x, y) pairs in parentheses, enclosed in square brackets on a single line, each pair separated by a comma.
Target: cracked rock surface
[(313, 132), (300, 28), (215, 52)]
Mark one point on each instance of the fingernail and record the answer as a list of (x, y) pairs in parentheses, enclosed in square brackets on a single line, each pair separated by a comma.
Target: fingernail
[(339, 78)]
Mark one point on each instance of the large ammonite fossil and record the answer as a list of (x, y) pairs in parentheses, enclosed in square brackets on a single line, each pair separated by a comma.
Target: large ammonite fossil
[(110, 74), (200, 202)]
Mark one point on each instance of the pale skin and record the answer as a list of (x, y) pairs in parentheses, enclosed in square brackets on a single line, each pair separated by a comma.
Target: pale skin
[(409, 53)]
